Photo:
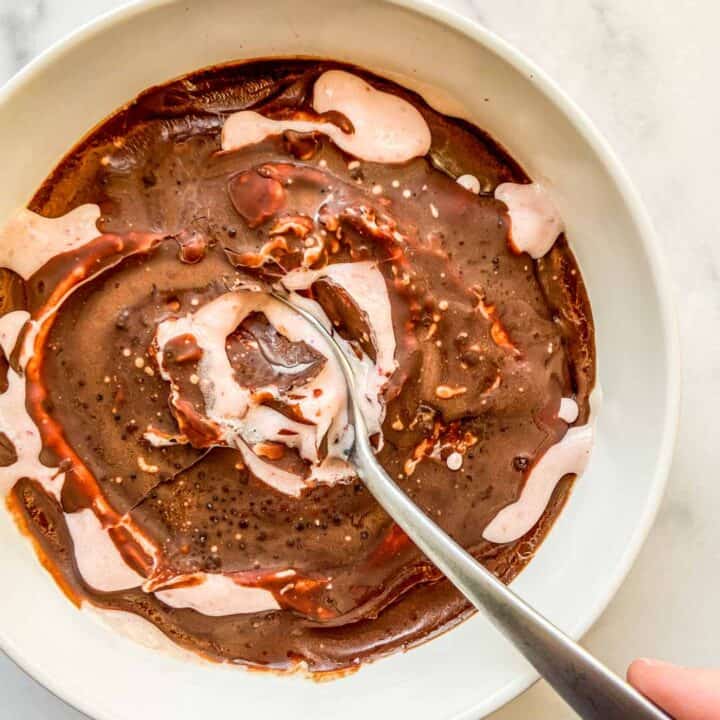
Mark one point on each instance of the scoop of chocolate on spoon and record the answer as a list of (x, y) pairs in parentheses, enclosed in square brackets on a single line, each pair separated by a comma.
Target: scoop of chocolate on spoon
[(580, 679)]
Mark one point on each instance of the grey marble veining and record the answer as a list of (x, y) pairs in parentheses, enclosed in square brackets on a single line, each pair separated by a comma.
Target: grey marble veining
[(17, 22), (644, 72)]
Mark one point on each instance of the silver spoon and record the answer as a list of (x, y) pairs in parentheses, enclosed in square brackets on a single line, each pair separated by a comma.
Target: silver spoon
[(581, 680)]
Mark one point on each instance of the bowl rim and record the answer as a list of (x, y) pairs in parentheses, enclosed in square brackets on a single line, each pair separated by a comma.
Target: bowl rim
[(581, 122)]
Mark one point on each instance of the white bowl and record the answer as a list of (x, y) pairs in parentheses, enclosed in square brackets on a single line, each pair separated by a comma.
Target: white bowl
[(460, 67)]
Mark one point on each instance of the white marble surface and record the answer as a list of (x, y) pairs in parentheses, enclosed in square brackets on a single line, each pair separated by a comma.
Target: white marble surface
[(645, 71)]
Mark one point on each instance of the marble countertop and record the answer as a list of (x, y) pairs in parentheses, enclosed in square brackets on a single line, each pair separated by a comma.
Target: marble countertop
[(644, 72)]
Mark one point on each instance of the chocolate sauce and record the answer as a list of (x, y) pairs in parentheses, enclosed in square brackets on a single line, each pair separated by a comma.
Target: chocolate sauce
[(487, 343)]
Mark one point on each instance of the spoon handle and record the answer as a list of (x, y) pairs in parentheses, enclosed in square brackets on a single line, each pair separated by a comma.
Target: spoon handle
[(583, 682)]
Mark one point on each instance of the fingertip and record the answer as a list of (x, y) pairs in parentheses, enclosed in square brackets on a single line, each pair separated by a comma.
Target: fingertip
[(690, 693), (640, 668)]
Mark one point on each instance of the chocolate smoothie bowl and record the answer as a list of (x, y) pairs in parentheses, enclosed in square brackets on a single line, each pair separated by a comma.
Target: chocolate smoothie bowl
[(175, 441)]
